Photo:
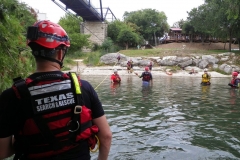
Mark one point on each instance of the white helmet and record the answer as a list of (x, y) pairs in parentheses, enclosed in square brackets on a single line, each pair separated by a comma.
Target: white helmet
[(205, 70), (115, 70)]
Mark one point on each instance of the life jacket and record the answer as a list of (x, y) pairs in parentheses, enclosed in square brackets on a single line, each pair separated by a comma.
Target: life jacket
[(205, 78), (234, 84), (56, 119), (116, 78), (118, 58), (150, 66), (146, 76), (128, 65)]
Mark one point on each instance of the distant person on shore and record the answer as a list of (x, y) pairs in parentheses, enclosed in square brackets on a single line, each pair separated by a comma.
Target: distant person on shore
[(130, 66), (138, 46), (193, 72), (150, 66), (206, 77), (146, 77), (118, 57), (235, 82), (115, 78)]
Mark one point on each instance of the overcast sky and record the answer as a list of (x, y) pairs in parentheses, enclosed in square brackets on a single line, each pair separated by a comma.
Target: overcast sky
[(174, 9)]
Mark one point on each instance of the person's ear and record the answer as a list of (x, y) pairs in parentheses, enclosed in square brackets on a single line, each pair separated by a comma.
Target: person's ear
[(59, 55)]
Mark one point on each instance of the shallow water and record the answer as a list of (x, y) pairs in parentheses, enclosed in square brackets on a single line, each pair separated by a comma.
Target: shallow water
[(175, 118)]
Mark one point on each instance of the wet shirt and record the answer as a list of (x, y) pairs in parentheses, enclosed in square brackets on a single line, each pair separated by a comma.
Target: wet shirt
[(146, 76), (115, 78)]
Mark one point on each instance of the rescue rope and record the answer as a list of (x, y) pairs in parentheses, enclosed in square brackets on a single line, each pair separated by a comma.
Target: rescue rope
[(104, 78), (98, 145)]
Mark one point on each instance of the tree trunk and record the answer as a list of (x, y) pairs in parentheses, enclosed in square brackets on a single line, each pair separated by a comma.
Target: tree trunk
[(126, 45), (230, 40), (238, 40)]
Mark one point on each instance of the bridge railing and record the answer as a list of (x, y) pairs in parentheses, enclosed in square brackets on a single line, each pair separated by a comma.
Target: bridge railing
[(92, 8)]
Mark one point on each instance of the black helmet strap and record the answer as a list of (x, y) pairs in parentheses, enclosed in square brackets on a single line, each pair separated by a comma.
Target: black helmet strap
[(45, 55)]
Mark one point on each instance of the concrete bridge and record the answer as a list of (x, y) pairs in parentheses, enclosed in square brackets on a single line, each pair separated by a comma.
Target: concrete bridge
[(93, 18)]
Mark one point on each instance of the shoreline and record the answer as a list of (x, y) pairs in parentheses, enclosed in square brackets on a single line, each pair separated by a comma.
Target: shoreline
[(122, 71)]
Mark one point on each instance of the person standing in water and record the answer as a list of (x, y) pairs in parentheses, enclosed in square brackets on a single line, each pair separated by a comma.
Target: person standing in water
[(130, 66), (146, 77), (115, 78), (235, 82), (206, 77)]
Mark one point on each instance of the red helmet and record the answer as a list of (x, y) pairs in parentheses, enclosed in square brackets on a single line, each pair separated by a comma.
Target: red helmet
[(47, 34), (146, 69), (235, 74)]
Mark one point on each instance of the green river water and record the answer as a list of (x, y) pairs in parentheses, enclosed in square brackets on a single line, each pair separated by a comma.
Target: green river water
[(174, 119)]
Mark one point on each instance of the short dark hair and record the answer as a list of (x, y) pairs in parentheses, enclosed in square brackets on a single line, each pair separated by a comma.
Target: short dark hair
[(38, 50)]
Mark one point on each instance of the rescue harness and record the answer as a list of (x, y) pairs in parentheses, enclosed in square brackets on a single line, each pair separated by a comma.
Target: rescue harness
[(52, 125), (146, 76)]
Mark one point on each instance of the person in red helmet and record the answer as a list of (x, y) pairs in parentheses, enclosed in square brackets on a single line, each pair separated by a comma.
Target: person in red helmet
[(146, 77), (235, 82), (51, 115)]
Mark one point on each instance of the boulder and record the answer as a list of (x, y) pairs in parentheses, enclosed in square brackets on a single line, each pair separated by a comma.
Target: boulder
[(111, 58), (203, 64)]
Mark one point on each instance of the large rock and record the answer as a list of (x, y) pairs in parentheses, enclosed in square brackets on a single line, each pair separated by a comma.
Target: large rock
[(210, 59), (203, 64), (172, 60), (192, 60), (111, 58), (185, 63), (226, 68), (196, 62)]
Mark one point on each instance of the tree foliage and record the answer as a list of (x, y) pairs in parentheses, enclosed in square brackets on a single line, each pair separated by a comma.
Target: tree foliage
[(15, 59), (149, 21), (71, 24), (126, 36), (215, 18), (124, 33)]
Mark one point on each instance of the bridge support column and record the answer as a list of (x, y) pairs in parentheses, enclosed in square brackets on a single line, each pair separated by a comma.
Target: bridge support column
[(97, 30)]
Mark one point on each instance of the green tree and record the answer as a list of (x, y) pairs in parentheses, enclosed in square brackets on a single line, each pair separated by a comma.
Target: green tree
[(14, 62), (179, 24), (126, 36), (114, 28), (226, 17), (201, 19), (117, 29), (151, 22), (188, 29), (71, 24)]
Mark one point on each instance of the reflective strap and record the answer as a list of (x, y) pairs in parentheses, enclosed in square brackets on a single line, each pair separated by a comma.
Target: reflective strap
[(76, 83)]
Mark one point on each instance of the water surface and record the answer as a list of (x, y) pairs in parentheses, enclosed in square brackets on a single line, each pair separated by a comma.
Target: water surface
[(175, 118)]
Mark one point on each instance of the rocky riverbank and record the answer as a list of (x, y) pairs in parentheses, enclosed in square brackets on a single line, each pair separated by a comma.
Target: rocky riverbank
[(82, 69)]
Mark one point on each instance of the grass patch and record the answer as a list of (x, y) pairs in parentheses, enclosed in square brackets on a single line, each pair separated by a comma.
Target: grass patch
[(220, 71), (173, 69), (93, 59), (158, 52)]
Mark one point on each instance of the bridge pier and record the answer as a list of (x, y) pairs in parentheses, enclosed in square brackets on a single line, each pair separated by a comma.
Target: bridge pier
[(97, 30)]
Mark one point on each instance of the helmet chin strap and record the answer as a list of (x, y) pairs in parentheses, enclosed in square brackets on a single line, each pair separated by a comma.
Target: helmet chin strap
[(64, 54), (43, 54)]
